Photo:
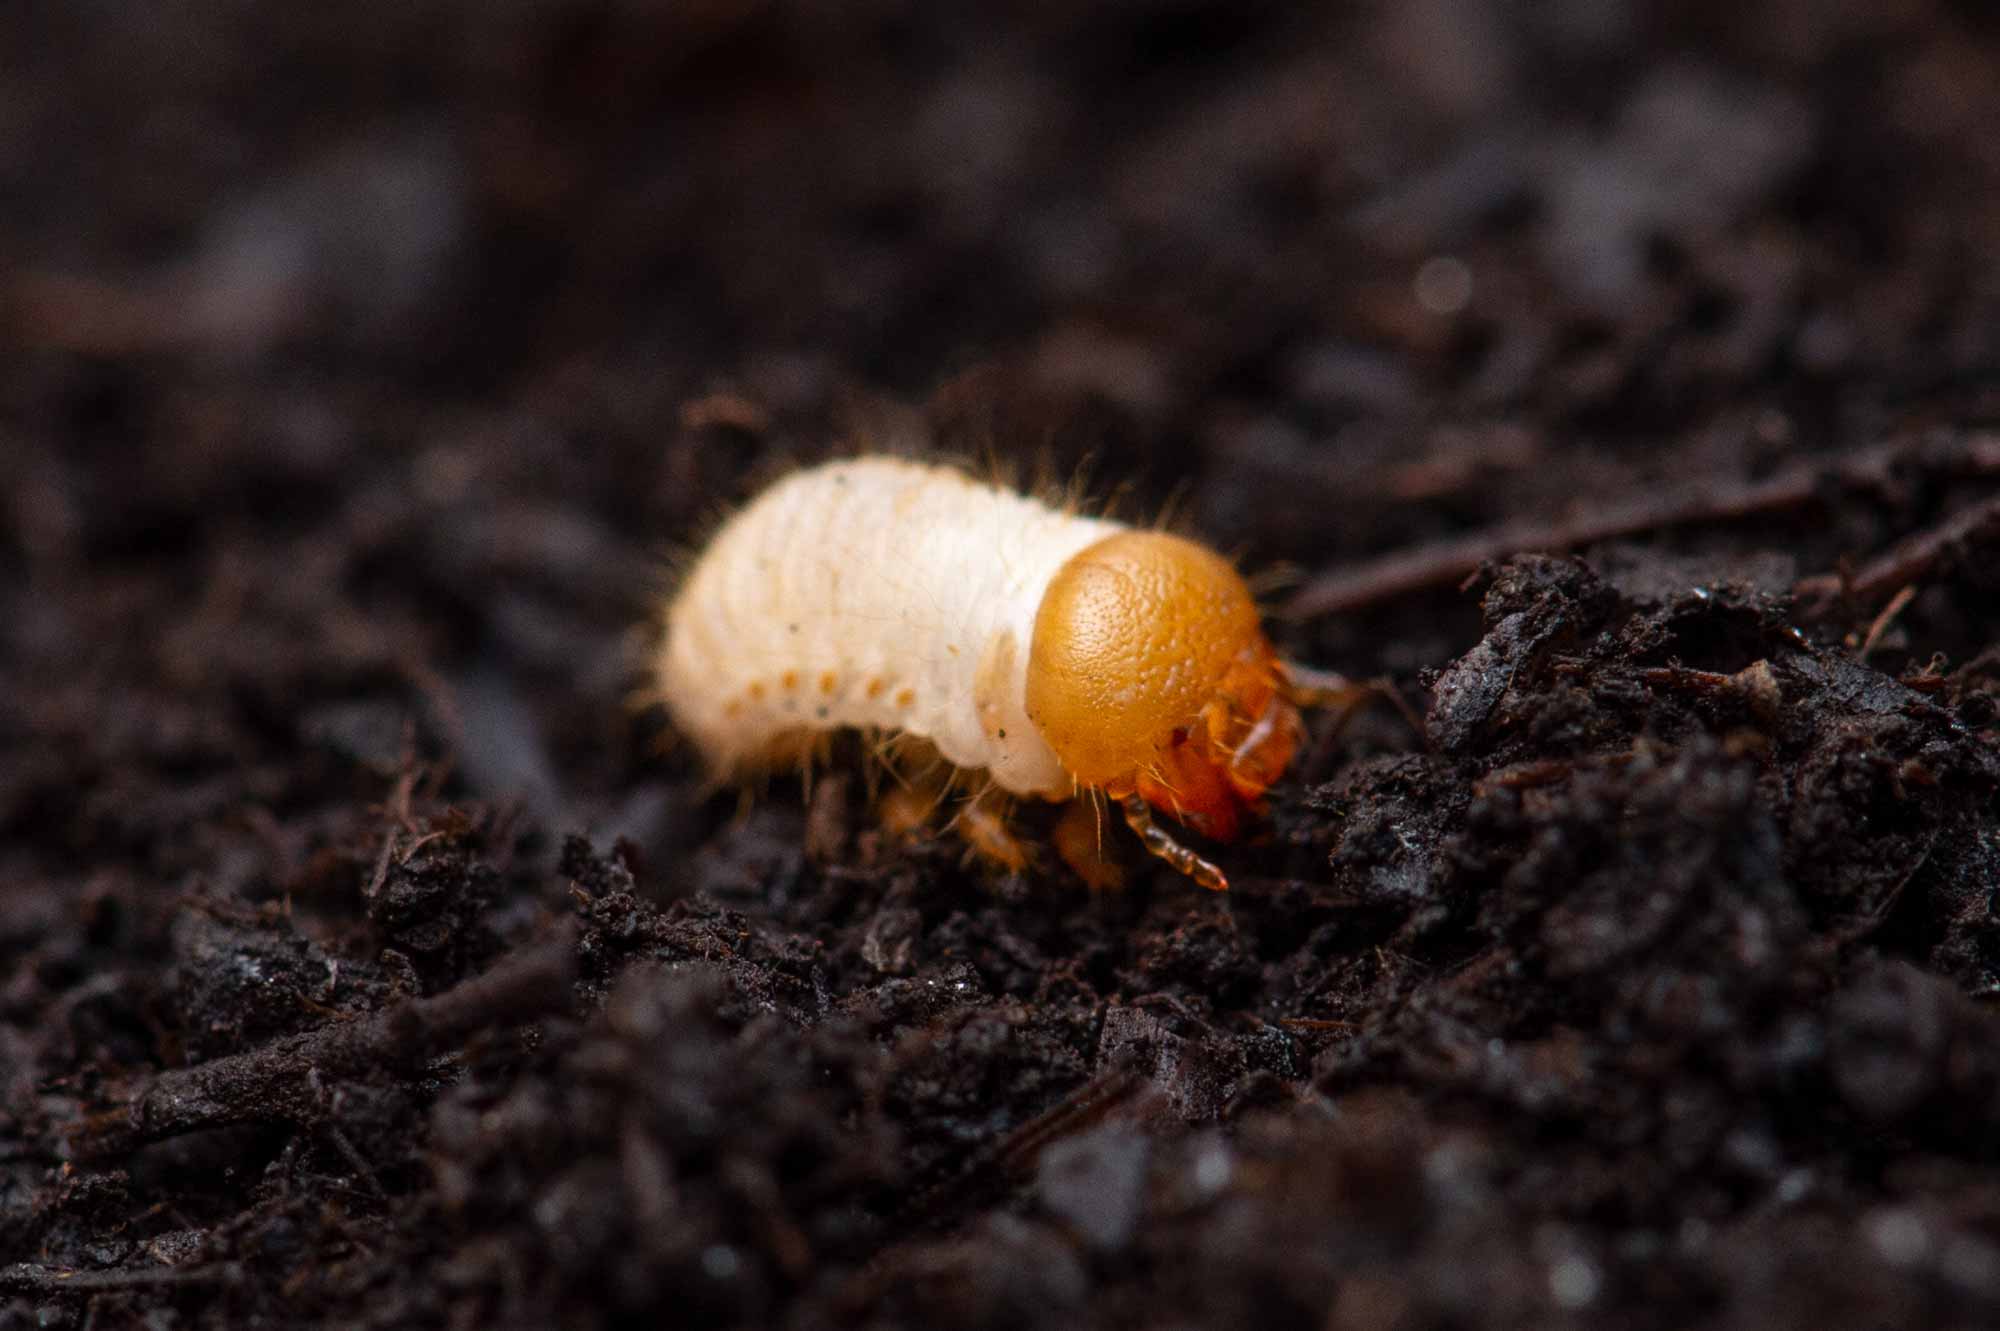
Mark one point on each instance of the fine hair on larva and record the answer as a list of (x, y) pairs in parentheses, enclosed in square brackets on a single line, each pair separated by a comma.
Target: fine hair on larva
[(1058, 654)]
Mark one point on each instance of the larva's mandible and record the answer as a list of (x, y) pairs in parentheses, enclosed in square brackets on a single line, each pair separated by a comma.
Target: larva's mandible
[(1057, 652)]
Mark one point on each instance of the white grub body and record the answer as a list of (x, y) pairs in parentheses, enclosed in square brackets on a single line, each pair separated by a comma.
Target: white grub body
[(873, 593)]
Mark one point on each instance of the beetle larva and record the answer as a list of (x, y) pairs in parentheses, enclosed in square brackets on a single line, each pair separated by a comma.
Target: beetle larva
[(1058, 653)]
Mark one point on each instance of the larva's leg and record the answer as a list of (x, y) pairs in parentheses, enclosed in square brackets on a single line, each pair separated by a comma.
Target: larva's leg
[(1308, 687), (1079, 839), (982, 824), (905, 811), (1140, 817), (924, 782), (918, 781)]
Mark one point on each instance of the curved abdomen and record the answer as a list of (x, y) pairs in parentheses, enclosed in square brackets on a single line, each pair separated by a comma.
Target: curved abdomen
[(873, 593)]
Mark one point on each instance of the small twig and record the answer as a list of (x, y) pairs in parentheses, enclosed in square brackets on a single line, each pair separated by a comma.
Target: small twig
[(1888, 616), (410, 851), (1442, 563), (1909, 561), (355, 1161), (1016, 1152), (274, 1083), (1010, 1156), (33, 1278), (1537, 775), (381, 874), (1087, 1105)]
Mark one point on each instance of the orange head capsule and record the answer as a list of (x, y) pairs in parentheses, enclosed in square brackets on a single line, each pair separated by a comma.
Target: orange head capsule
[(1149, 675)]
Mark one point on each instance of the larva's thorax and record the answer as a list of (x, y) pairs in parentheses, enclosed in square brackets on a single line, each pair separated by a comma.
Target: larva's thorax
[(873, 593)]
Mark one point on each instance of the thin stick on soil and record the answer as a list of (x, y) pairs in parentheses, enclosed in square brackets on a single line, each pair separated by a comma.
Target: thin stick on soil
[(1442, 563), (1908, 562), (1882, 621), (1016, 1153), (988, 1170), (276, 1083), (32, 1278)]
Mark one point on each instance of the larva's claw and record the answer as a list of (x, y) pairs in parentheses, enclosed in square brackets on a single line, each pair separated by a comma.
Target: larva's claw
[(1139, 816), (1205, 874)]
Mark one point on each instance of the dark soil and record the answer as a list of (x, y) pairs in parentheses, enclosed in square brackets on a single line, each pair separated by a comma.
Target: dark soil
[(366, 961)]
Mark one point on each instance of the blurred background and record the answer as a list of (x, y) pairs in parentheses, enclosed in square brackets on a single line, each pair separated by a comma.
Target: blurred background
[(365, 363)]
